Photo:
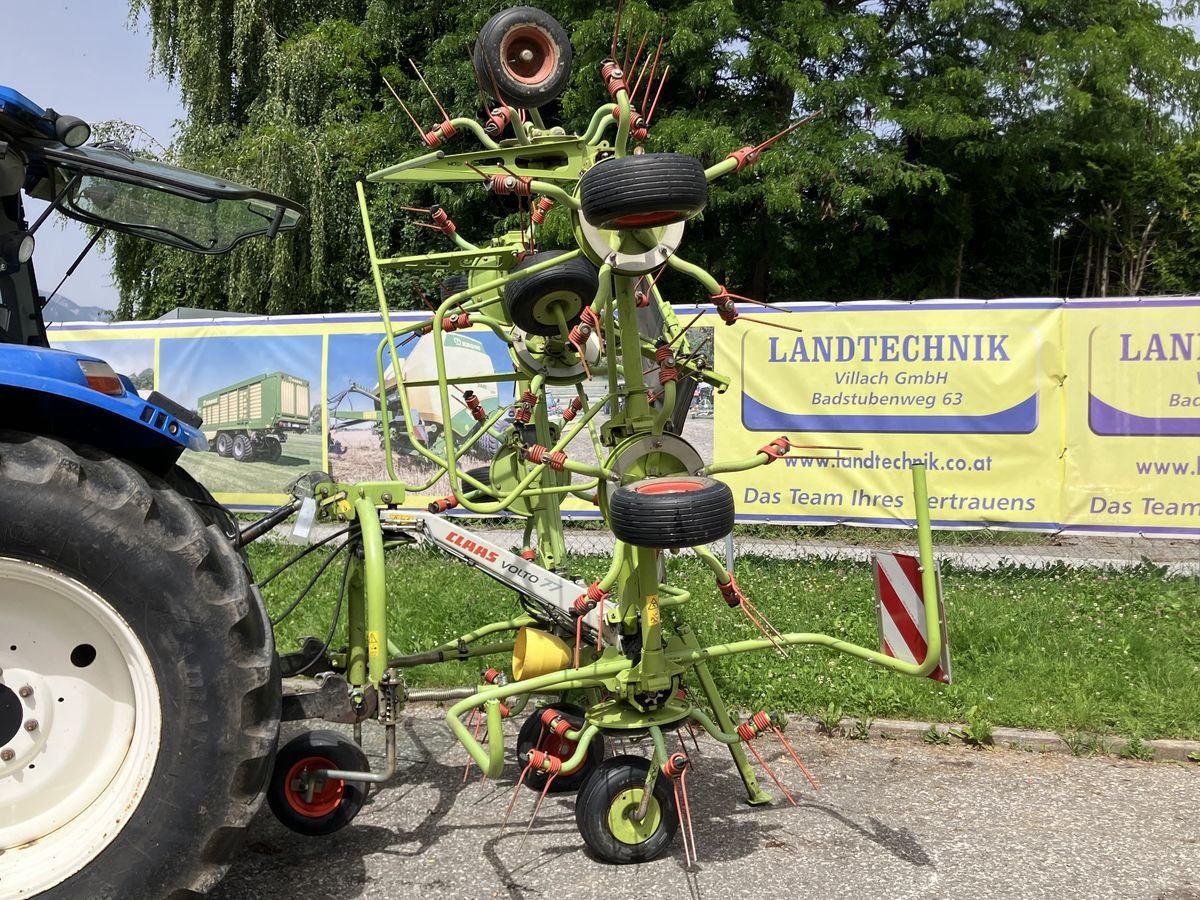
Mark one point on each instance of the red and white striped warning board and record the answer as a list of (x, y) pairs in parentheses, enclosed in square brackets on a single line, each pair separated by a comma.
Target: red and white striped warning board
[(900, 608)]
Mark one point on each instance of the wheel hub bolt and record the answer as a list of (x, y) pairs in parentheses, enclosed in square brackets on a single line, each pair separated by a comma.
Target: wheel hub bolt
[(25, 691), (31, 724), (526, 55), (7, 754)]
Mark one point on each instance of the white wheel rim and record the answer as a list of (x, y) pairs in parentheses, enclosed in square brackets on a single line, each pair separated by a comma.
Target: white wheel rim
[(75, 775)]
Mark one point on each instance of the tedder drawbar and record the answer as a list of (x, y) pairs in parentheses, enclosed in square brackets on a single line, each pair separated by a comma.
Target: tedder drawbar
[(614, 659)]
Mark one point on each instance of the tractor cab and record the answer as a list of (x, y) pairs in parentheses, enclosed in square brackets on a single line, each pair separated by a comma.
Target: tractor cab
[(108, 187)]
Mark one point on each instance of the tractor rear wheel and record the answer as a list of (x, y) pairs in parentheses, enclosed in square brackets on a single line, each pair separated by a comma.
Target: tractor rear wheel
[(139, 691)]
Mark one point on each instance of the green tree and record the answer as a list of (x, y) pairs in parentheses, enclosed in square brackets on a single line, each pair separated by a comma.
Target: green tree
[(963, 147)]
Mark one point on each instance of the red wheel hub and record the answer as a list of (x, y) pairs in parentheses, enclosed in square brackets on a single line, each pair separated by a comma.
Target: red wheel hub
[(647, 220), (528, 54), (326, 795), (668, 487)]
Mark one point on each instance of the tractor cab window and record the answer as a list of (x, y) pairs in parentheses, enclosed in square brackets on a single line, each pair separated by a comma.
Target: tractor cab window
[(111, 188)]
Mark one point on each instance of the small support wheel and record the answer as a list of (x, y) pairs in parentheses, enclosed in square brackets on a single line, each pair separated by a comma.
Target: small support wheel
[(243, 450), (524, 55), (535, 736), (532, 301), (224, 445), (671, 512), (608, 802), (644, 191), (317, 806)]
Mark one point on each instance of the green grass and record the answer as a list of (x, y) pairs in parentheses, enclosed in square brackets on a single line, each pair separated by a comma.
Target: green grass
[(1076, 651)]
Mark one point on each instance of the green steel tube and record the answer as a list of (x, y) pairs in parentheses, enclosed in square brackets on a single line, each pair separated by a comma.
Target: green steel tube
[(701, 718), (376, 588), (715, 565), (493, 628), (694, 271), (739, 465), (929, 585), (560, 196), (476, 129), (724, 167), (624, 124), (356, 625), (668, 406), (599, 117), (570, 679)]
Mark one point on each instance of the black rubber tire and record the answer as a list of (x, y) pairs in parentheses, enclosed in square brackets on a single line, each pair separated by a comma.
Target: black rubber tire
[(452, 284), (618, 780), (671, 512), (529, 302), (243, 450), (185, 592), (326, 749), (533, 736), (524, 85), (204, 503), (272, 449), (224, 445), (643, 191)]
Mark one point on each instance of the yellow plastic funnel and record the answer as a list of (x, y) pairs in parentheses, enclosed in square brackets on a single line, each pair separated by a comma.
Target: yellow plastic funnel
[(538, 653)]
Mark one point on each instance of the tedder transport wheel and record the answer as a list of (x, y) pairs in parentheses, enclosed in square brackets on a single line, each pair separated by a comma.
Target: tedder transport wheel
[(569, 287), (242, 448), (313, 806), (139, 694), (606, 805), (672, 512), (224, 445), (644, 191), (535, 736), (524, 55)]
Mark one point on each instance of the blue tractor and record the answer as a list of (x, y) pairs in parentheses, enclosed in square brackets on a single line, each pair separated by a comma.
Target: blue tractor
[(139, 686)]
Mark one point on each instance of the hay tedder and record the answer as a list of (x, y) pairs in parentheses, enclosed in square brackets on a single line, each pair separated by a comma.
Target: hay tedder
[(140, 691), (613, 659)]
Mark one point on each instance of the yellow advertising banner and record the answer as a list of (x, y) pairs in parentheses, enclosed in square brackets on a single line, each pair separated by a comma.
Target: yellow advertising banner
[(1132, 449), (970, 389), (1031, 414)]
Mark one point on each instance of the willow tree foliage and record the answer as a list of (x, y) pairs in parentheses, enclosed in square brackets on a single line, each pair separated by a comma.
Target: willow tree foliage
[(962, 148)]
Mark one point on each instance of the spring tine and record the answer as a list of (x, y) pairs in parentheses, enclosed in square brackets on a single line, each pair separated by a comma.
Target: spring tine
[(771, 324), (438, 103), (411, 118), (687, 807), (633, 65), (513, 801), (477, 719), (628, 44), (687, 854), (612, 53), (695, 740), (771, 140), (653, 71), (770, 772), (545, 790), (658, 93), (788, 746)]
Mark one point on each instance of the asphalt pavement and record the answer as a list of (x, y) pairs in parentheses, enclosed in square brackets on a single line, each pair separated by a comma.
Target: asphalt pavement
[(891, 820)]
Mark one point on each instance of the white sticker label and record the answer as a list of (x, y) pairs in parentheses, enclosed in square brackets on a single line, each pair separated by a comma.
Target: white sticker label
[(304, 521)]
